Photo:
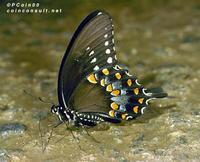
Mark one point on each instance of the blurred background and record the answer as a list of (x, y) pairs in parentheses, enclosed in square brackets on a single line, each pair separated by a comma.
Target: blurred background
[(158, 40)]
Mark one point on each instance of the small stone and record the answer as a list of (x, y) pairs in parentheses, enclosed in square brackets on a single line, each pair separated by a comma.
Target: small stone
[(12, 129), (137, 150), (159, 152), (182, 140), (118, 156), (138, 141), (3, 156), (191, 39), (116, 131)]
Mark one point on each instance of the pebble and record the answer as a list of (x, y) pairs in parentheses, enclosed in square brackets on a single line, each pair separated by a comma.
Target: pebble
[(3, 155), (12, 129), (191, 39), (118, 156), (138, 141)]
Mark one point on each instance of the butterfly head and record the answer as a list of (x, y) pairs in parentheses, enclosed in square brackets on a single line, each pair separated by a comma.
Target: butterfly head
[(64, 114), (55, 109)]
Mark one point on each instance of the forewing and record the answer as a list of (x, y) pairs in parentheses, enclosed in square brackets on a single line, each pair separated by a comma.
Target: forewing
[(91, 47)]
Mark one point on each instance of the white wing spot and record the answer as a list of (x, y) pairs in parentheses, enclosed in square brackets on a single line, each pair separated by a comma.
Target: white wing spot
[(96, 68), (116, 67), (107, 51), (114, 48), (142, 110), (106, 35), (96, 76), (147, 101), (99, 13), (113, 41), (115, 57), (106, 43), (127, 73), (106, 28), (93, 60), (136, 81), (87, 48), (112, 32), (109, 60), (91, 53), (147, 94), (129, 117)]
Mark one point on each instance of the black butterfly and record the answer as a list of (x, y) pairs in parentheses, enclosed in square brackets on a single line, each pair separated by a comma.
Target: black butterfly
[(92, 86)]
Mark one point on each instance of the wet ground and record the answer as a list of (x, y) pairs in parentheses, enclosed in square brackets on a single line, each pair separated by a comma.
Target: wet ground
[(159, 42)]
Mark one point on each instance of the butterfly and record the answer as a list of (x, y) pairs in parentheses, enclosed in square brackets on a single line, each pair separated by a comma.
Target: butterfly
[(92, 86)]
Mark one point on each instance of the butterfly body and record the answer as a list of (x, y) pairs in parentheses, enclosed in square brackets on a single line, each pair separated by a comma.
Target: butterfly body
[(92, 86)]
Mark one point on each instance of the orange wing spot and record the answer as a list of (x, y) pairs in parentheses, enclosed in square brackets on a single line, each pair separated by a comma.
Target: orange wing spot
[(105, 71), (114, 106), (141, 100), (118, 75), (136, 91), (135, 109), (129, 82), (115, 92), (102, 82), (123, 116), (112, 113), (109, 88), (91, 79)]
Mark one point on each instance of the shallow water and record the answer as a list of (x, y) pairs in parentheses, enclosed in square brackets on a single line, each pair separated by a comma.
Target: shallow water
[(158, 41)]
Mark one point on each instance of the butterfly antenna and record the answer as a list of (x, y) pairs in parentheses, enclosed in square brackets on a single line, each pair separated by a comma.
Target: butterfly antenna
[(38, 98)]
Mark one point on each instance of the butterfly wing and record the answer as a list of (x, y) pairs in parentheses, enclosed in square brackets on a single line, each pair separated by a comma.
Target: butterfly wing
[(91, 58), (91, 47)]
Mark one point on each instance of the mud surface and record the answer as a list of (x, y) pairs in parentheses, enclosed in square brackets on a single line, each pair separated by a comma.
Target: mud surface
[(158, 41)]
